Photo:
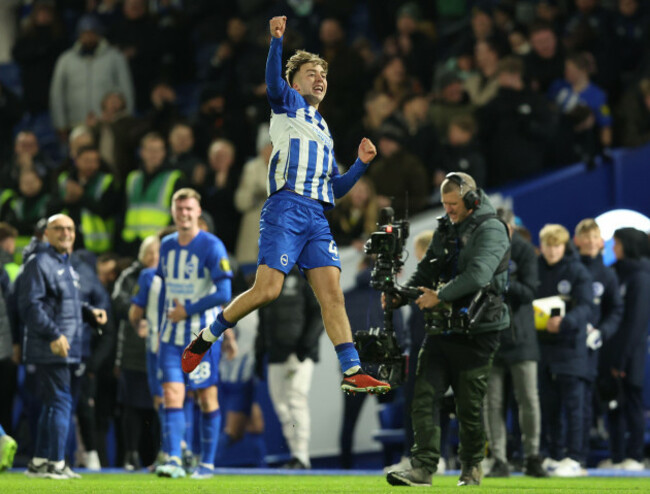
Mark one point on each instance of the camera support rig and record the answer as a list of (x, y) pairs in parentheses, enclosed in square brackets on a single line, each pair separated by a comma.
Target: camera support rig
[(378, 348)]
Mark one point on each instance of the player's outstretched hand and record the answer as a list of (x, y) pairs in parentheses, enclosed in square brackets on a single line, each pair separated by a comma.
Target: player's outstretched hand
[(277, 26), (367, 150)]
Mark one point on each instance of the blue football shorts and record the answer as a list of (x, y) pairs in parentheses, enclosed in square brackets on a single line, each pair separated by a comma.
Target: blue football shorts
[(154, 374), (294, 230), (205, 375)]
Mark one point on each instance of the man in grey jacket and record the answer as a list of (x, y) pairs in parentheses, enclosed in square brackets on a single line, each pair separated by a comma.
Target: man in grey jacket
[(84, 74)]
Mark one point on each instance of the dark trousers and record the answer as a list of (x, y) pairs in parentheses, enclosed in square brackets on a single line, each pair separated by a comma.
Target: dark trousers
[(8, 376), (626, 425), (462, 362), (587, 417), (562, 397), (86, 411), (58, 383)]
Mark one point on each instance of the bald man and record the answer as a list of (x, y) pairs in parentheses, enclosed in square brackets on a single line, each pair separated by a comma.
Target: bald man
[(50, 306)]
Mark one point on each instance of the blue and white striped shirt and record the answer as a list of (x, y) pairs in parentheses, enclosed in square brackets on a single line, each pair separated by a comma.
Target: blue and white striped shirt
[(199, 276), (303, 149)]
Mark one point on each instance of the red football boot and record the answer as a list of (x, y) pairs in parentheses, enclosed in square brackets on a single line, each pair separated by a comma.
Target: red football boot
[(193, 353), (360, 382)]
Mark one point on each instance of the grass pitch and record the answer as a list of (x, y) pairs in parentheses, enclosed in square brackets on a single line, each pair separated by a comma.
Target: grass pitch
[(285, 484)]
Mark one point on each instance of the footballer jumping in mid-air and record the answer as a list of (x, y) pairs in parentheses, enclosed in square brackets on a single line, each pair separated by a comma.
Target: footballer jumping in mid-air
[(303, 180)]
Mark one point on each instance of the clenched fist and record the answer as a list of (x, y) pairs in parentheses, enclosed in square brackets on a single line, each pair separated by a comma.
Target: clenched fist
[(367, 150), (277, 26)]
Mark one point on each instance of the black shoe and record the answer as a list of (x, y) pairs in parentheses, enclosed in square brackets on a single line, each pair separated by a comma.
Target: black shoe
[(470, 475), (295, 464), (533, 467), (499, 469), (132, 461), (413, 477)]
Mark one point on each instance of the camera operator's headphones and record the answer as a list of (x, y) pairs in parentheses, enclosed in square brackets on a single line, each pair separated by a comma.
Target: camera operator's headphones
[(471, 197)]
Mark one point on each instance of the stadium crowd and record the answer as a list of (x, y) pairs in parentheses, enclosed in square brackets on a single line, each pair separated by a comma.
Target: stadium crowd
[(109, 107)]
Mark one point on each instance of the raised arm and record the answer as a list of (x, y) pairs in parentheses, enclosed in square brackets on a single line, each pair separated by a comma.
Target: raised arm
[(275, 84)]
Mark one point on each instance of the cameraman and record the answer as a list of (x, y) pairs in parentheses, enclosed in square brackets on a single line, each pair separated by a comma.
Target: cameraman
[(468, 257)]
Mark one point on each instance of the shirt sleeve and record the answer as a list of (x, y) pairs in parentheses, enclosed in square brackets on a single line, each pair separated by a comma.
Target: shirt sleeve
[(141, 295), (219, 265), (341, 184), (281, 97)]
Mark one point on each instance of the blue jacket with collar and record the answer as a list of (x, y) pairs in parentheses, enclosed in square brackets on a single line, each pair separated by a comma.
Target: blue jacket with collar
[(50, 306)]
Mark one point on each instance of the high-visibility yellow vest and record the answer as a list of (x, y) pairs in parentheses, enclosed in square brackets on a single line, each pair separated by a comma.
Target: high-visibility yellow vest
[(97, 231), (148, 210)]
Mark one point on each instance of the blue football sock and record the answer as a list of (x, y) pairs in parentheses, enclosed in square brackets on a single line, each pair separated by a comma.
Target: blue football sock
[(210, 426), (174, 429), (348, 356), (217, 328), (188, 412)]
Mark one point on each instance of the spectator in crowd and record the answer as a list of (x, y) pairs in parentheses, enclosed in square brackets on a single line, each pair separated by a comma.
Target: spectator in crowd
[(355, 215), (27, 155), (420, 135), (545, 63), (450, 100), (575, 91), (8, 238), (175, 39), (413, 43), (40, 42), (11, 111), (164, 111), (460, 153), (517, 356), (395, 81), (148, 193), (84, 74), (516, 127), (624, 356), (131, 358), (344, 90), (484, 85), (116, 132), (220, 118), (182, 157), (378, 106), (233, 64), (632, 122), (89, 195), (627, 34), (220, 186), (95, 352), (137, 36), (249, 199), (52, 312), (290, 328), (607, 310), (563, 363), (397, 173), (29, 204), (481, 28)]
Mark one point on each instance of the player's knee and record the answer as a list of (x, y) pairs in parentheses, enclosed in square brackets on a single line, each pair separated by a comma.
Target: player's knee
[(268, 293)]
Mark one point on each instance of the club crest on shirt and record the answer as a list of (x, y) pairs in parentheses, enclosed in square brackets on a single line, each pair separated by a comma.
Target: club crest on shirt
[(564, 287), (190, 268)]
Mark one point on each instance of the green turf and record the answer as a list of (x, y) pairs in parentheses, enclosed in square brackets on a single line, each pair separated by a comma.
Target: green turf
[(284, 484)]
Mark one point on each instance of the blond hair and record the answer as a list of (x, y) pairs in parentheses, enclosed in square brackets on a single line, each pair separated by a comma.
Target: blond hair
[(553, 234), (423, 239), (186, 193), (300, 58), (146, 244), (586, 226)]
